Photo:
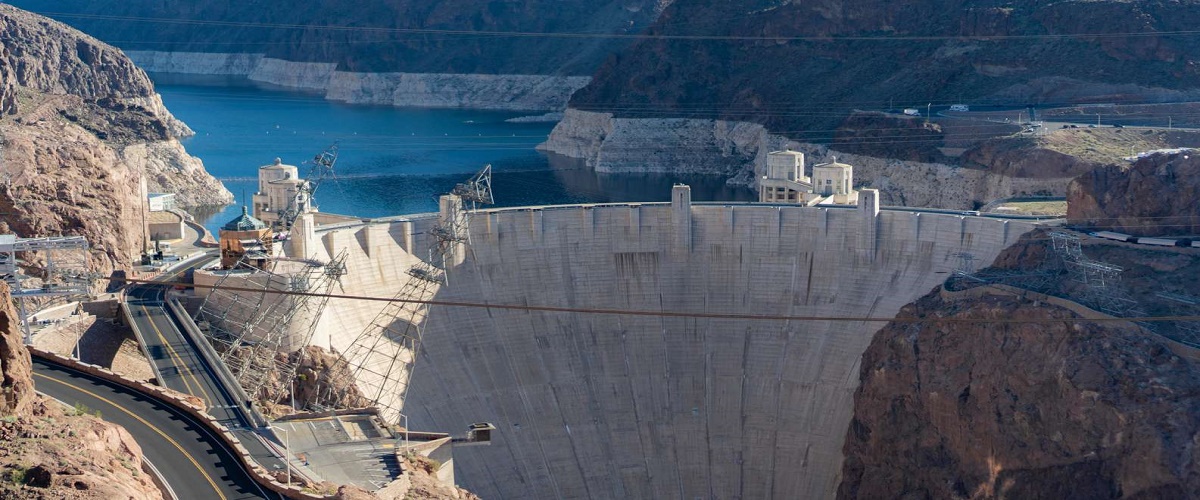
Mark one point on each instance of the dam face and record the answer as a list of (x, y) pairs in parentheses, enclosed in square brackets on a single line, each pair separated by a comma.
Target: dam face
[(621, 406)]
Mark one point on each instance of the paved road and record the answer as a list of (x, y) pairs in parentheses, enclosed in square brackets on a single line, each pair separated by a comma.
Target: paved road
[(177, 361), (183, 369), (193, 462)]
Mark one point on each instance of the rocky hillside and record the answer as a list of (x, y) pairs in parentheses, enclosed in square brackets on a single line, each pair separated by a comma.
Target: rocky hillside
[(1154, 196), (80, 128), (797, 66), (386, 44), (47, 451), (1067, 409)]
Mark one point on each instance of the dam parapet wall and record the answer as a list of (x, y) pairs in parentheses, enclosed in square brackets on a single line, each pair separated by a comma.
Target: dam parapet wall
[(606, 405)]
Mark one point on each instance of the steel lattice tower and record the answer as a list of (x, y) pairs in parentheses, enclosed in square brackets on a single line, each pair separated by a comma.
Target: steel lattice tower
[(382, 357), (251, 324)]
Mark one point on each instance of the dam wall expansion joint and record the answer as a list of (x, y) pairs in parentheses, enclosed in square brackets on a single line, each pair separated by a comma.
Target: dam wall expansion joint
[(175, 400), (625, 406)]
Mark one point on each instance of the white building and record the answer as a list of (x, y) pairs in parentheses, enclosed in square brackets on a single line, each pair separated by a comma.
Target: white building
[(161, 202), (835, 183), (280, 189), (785, 181)]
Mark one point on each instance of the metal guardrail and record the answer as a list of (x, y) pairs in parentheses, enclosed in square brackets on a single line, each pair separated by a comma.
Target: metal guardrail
[(216, 365), (141, 339)]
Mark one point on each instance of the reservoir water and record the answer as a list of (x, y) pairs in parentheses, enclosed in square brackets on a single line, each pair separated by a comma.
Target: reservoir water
[(392, 161)]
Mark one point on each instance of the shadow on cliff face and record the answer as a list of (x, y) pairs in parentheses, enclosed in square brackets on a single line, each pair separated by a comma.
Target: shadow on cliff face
[(1059, 409)]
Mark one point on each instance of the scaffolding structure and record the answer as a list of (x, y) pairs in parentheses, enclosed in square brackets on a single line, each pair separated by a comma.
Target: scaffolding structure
[(321, 170), (382, 357), (65, 271), (251, 325)]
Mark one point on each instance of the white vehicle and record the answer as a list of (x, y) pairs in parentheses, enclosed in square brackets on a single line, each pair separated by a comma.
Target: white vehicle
[(912, 111), (960, 107)]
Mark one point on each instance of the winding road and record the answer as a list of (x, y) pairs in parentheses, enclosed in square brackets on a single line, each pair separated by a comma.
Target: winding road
[(194, 462)]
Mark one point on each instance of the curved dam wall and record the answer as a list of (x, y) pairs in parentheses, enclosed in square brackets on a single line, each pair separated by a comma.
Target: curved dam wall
[(621, 406)]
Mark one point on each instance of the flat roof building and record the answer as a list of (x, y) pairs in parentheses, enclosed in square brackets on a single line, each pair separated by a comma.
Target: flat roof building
[(785, 181), (161, 202)]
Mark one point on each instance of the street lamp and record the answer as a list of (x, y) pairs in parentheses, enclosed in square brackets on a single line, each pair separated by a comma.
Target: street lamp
[(406, 441), (287, 452)]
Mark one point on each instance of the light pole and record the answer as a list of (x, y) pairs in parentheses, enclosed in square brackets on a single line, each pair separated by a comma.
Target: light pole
[(287, 452), (405, 419)]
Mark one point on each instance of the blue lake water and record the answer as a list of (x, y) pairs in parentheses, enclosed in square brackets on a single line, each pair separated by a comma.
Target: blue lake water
[(392, 160)]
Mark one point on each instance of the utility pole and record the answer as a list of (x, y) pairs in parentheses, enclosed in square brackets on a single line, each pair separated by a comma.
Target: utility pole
[(928, 112), (1097, 119), (1170, 125), (287, 451)]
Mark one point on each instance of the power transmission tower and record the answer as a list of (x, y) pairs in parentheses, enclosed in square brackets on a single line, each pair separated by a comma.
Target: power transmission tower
[(382, 357), (319, 172), (64, 270), (1102, 281)]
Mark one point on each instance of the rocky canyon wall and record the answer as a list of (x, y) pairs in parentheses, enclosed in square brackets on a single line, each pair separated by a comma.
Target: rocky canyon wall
[(738, 150), (1067, 409), (807, 65), (1155, 196), (517, 92), (80, 130)]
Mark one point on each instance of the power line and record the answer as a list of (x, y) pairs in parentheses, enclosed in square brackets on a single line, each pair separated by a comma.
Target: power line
[(668, 314), (620, 36)]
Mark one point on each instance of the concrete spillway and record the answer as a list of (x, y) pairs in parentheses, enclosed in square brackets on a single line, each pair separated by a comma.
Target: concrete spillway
[(620, 406)]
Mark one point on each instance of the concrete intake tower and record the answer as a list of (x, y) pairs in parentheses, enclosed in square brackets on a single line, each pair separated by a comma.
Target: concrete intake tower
[(623, 406)]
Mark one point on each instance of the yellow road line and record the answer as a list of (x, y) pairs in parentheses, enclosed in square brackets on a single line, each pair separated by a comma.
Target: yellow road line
[(147, 424), (174, 356), (178, 361)]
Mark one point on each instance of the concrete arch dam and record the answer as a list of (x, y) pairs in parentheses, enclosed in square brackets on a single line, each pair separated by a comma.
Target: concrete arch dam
[(619, 406)]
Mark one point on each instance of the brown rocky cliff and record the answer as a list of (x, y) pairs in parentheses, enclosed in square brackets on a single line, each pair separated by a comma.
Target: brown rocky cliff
[(1157, 195), (247, 26), (50, 58), (1067, 409), (1024, 157), (880, 135), (47, 451), (81, 127), (16, 389)]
